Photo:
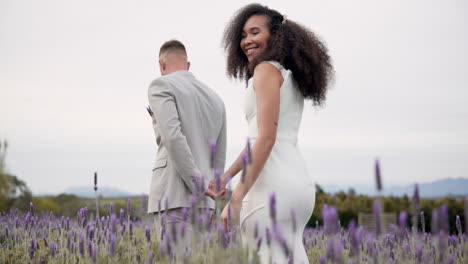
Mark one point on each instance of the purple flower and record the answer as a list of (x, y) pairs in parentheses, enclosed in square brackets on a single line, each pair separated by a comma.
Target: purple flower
[(423, 222), (281, 240), (273, 207), (81, 244), (355, 236), (122, 216), (131, 228), (113, 222), (217, 175), (111, 244), (322, 260), (193, 208), (451, 259), (435, 221), (213, 153), (184, 214), (73, 247), (256, 230), (91, 232), (90, 247), (416, 203), (338, 251), (111, 208), (148, 233), (249, 152), (173, 218), (378, 179), (95, 181), (442, 245), (122, 231), (418, 253), (94, 250), (444, 218), (268, 236), (183, 227), (31, 208), (32, 248), (293, 219), (402, 220), (330, 219), (259, 243), (244, 167), (128, 207), (376, 213), (458, 224), (45, 242), (150, 257)]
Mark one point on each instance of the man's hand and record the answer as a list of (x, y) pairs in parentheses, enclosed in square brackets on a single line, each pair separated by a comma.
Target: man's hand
[(214, 192)]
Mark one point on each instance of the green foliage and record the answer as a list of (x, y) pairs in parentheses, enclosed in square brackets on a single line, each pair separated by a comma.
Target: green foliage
[(13, 191), (349, 205)]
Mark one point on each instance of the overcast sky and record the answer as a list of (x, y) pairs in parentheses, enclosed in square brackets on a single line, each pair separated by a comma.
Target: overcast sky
[(74, 78)]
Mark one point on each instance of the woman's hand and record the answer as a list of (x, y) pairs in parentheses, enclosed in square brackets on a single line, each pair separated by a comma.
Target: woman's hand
[(230, 214), (216, 192)]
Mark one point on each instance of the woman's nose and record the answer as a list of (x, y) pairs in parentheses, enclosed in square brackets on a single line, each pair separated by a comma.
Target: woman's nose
[(248, 39)]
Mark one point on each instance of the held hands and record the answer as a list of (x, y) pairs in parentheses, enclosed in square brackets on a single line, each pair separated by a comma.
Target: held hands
[(214, 192)]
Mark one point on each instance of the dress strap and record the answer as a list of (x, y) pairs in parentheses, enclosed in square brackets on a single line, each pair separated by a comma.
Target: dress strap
[(277, 65)]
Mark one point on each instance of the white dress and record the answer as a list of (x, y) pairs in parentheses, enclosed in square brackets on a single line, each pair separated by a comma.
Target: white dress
[(285, 175)]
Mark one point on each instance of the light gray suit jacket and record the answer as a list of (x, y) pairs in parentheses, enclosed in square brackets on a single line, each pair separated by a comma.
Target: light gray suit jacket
[(187, 114)]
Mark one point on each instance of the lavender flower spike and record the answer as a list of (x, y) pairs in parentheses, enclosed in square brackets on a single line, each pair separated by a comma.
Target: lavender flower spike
[(244, 167), (378, 179), (94, 253), (293, 218), (458, 224), (128, 207), (403, 218), (273, 208), (249, 152), (376, 213), (31, 208), (148, 233), (213, 153), (423, 222), (53, 248), (95, 181), (111, 208)]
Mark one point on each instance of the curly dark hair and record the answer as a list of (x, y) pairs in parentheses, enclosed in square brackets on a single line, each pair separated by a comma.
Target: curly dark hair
[(292, 45)]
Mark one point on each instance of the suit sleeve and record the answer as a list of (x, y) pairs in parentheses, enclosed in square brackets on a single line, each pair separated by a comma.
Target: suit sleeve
[(221, 144), (165, 113)]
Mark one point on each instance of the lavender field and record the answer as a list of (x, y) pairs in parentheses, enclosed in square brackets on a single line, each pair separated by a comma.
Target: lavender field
[(121, 237)]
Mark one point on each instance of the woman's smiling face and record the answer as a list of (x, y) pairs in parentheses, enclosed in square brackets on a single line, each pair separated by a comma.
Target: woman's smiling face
[(255, 36)]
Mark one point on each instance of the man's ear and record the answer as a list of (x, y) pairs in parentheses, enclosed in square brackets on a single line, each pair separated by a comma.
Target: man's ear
[(188, 65), (162, 66)]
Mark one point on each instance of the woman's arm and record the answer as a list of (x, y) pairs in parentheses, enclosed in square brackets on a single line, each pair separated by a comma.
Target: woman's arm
[(267, 83), (235, 167)]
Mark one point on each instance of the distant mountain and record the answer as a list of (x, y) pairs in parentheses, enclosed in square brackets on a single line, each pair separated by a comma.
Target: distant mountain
[(439, 188), (88, 192)]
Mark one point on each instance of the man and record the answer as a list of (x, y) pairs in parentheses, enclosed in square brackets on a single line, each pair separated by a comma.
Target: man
[(187, 116)]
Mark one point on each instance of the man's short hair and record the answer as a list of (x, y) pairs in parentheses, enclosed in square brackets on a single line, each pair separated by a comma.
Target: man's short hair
[(172, 45)]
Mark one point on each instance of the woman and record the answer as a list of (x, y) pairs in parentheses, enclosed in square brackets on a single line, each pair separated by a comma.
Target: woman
[(283, 63)]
